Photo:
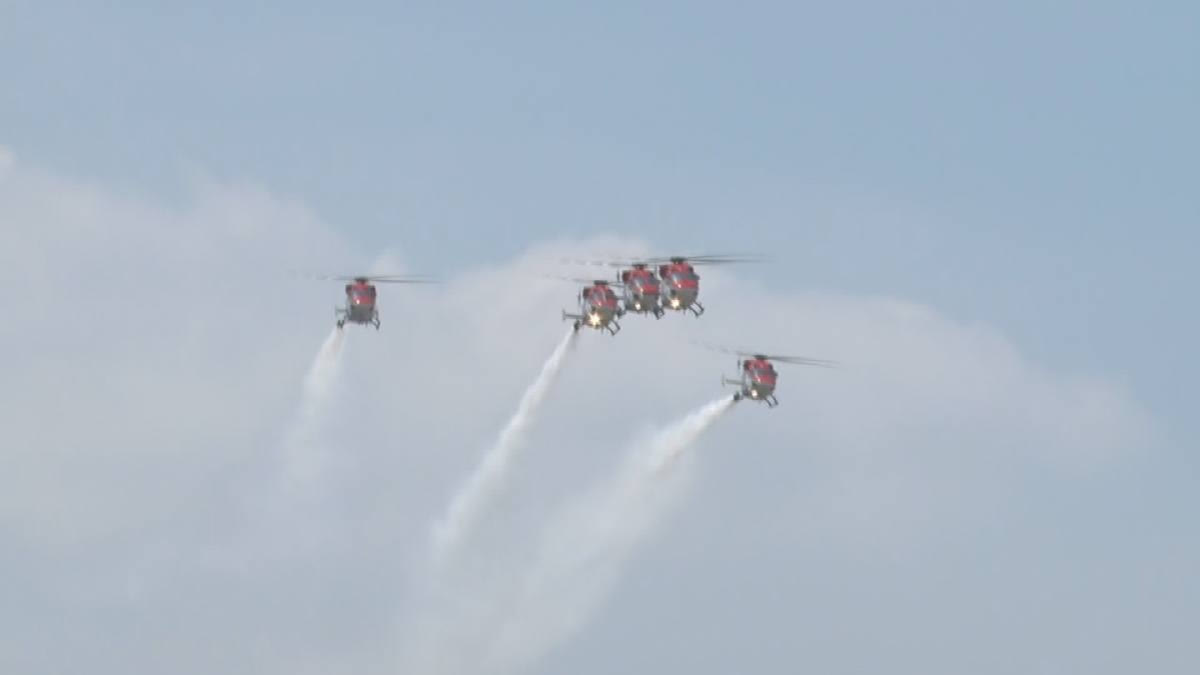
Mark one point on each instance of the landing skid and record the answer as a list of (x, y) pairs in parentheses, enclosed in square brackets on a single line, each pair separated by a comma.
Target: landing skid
[(741, 393), (612, 326), (343, 318), (771, 401)]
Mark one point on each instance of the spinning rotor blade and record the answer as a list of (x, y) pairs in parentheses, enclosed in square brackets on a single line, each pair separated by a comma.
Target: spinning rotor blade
[(583, 280), (710, 259), (401, 280), (596, 263), (652, 262), (798, 360), (794, 360)]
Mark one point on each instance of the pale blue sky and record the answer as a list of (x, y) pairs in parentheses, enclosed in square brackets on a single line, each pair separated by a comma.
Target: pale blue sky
[(1029, 166)]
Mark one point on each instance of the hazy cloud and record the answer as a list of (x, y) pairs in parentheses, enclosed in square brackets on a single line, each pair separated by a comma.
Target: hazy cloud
[(154, 364)]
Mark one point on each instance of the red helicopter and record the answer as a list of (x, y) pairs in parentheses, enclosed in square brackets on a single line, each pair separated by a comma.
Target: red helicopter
[(642, 290), (758, 376), (361, 307), (654, 285), (598, 307)]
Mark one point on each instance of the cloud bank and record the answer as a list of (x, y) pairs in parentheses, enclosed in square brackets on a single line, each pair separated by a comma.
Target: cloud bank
[(155, 360)]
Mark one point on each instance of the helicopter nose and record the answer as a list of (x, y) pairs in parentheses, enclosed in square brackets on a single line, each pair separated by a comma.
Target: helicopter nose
[(679, 298), (761, 389)]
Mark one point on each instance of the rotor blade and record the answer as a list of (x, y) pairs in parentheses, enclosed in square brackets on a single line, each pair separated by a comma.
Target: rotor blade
[(595, 263), (734, 257), (744, 353), (583, 280), (702, 259), (802, 361), (394, 277), (709, 259)]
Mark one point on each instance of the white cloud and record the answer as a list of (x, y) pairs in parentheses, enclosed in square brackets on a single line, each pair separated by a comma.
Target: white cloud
[(154, 359)]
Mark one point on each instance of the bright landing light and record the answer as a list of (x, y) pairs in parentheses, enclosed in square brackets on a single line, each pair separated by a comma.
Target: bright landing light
[(675, 303)]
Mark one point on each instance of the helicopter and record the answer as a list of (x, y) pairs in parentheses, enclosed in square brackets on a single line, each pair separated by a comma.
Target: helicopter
[(757, 376), (641, 290), (598, 307), (361, 306), (653, 285)]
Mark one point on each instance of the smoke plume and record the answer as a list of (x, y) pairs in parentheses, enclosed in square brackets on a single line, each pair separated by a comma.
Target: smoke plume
[(472, 499), (583, 551), (304, 460)]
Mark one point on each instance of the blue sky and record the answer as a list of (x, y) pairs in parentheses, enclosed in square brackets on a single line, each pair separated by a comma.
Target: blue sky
[(1024, 168), (1030, 166)]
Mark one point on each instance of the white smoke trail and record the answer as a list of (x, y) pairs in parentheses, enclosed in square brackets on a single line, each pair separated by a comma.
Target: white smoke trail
[(583, 551), (470, 502), (303, 461), (323, 370)]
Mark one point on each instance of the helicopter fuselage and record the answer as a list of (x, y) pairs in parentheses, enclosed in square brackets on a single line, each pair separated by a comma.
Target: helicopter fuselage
[(642, 291), (756, 382), (680, 288), (598, 309), (360, 306)]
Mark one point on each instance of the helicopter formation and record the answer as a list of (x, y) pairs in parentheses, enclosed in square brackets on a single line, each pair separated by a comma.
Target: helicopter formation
[(649, 286)]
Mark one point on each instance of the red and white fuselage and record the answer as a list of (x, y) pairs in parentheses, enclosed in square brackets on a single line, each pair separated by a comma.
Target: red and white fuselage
[(642, 290), (756, 382), (360, 305), (680, 286), (598, 308)]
